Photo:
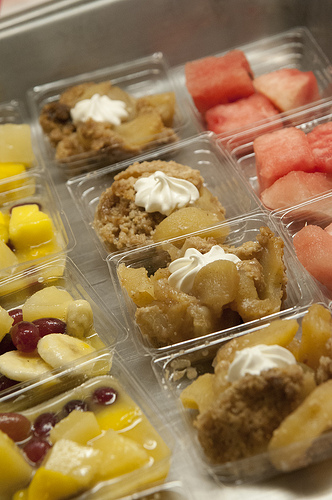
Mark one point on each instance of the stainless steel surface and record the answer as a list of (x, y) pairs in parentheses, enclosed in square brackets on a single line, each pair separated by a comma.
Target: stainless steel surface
[(68, 38)]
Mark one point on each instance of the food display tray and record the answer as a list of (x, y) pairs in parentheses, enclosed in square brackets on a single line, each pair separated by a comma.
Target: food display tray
[(147, 47)]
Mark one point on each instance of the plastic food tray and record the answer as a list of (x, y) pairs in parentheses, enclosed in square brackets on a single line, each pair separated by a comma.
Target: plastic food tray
[(240, 145), (37, 188), (149, 75), (63, 274), (77, 381), (199, 152), (177, 370), (295, 48), (300, 288)]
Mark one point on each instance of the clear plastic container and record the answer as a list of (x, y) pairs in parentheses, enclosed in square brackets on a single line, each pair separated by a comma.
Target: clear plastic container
[(199, 152), (300, 289), (36, 189), (295, 48), (146, 76), (240, 145), (131, 416), (62, 274), (169, 491), (177, 370), (316, 212)]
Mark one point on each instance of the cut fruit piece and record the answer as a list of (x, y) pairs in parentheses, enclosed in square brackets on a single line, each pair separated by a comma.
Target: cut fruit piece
[(219, 80), (288, 88), (29, 227), (78, 426), (295, 188), (137, 284), (226, 117), (21, 366), (7, 256), (15, 472), (50, 302), (164, 103), (58, 349), (15, 144), (6, 322), (141, 130), (313, 246), (320, 141), (200, 394), (121, 455), (281, 152)]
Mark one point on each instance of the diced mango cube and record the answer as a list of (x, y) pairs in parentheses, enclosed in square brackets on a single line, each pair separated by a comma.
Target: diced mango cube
[(15, 472), (50, 485), (29, 227), (9, 170), (15, 144), (78, 426)]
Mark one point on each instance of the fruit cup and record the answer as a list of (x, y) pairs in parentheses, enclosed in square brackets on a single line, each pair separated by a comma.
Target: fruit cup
[(251, 436), (101, 437), (200, 153), (144, 77), (165, 307), (50, 317), (33, 228)]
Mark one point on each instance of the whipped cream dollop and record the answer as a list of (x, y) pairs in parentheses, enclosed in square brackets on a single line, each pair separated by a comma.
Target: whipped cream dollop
[(184, 269), (258, 358), (99, 108), (161, 193)]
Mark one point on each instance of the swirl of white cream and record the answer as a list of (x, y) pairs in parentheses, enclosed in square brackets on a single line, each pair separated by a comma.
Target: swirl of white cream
[(99, 108), (258, 358), (184, 269), (161, 193)]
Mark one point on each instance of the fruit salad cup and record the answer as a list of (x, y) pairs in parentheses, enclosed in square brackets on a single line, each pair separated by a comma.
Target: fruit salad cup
[(50, 317), (247, 401), (102, 436)]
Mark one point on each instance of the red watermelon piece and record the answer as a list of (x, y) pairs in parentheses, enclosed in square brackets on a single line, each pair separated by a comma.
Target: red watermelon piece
[(313, 247), (281, 152), (288, 88), (320, 141), (295, 188), (329, 229), (218, 80), (226, 117)]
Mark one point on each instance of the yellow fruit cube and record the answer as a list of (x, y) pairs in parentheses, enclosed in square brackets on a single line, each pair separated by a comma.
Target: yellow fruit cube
[(15, 472), (7, 256), (50, 485), (6, 322), (74, 460), (15, 144), (9, 170), (4, 226), (78, 426), (120, 454), (50, 302), (29, 227)]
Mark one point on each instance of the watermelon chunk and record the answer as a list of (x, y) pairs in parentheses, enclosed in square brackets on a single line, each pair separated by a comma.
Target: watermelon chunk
[(218, 80), (295, 188), (329, 229), (288, 88), (320, 141), (280, 152), (225, 117), (313, 247)]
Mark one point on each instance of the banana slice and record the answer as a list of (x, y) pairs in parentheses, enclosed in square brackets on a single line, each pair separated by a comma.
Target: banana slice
[(58, 349), (21, 366)]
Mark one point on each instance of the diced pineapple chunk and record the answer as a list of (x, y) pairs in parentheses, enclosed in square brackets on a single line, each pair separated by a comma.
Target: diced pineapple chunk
[(50, 302), (15, 472), (78, 426), (7, 256), (29, 227), (120, 454), (9, 170), (15, 144), (6, 322), (81, 463)]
